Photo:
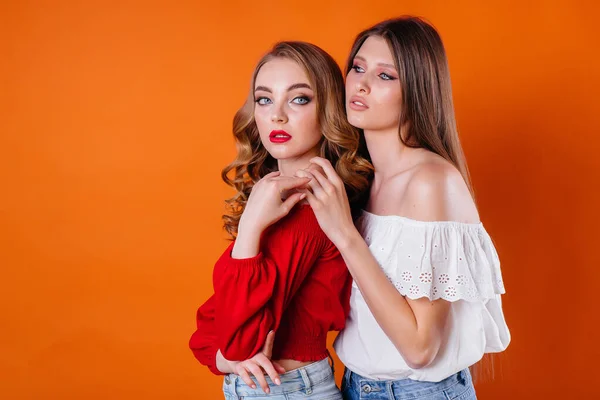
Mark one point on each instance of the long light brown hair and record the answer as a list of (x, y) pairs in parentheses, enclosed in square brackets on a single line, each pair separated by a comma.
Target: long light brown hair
[(427, 111), (427, 108), (341, 143)]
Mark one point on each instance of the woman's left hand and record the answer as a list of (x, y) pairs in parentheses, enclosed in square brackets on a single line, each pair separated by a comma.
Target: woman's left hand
[(329, 201), (257, 365)]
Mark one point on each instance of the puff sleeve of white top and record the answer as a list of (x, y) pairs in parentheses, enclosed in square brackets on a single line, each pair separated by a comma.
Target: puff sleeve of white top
[(453, 261)]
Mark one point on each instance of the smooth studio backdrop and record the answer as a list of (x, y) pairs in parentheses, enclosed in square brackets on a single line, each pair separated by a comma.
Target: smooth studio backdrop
[(115, 121)]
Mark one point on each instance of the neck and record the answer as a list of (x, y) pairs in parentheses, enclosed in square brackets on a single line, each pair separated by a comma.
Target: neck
[(388, 154), (386, 151), (289, 166)]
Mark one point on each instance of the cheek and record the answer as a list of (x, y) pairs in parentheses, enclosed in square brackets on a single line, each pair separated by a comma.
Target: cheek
[(264, 128), (305, 118), (390, 101), (312, 123), (350, 85), (349, 82), (261, 121), (389, 95), (306, 126), (313, 117)]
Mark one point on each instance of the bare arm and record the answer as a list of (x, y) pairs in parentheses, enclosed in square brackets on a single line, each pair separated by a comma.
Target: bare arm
[(414, 326)]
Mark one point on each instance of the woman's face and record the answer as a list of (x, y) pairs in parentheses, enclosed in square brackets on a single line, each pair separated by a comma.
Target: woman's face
[(373, 92), (286, 111)]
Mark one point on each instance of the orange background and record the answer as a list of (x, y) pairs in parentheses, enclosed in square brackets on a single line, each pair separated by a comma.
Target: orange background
[(115, 122)]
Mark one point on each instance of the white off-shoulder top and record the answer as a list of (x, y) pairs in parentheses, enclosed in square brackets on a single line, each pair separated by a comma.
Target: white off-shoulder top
[(453, 261)]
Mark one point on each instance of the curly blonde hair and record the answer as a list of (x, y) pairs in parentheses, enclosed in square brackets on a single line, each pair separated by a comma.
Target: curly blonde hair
[(342, 143)]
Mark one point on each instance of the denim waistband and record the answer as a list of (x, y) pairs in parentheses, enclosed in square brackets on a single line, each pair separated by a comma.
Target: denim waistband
[(405, 387), (303, 378)]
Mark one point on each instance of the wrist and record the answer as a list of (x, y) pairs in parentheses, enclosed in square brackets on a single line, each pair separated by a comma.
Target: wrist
[(348, 239), (247, 227), (224, 365), (247, 244)]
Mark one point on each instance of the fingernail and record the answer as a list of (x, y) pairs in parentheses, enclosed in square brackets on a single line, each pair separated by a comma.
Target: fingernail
[(253, 386), (302, 196), (268, 391), (277, 381)]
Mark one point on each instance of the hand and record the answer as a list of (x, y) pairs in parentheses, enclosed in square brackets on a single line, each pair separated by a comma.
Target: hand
[(329, 201), (265, 207), (259, 364)]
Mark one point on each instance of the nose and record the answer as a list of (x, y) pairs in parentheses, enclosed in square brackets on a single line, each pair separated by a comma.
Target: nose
[(279, 116), (362, 86)]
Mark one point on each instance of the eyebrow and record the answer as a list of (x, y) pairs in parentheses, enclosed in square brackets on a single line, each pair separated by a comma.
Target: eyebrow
[(293, 87), (380, 64)]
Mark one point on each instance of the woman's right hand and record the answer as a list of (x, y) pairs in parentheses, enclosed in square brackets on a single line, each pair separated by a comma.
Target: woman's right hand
[(265, 206)]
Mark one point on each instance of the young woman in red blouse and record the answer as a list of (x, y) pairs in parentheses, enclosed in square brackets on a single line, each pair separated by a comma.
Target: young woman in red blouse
[(281, 281)]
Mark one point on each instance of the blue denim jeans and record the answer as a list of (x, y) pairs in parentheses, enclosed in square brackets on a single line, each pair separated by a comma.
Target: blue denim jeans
[(456, 387), (315, 381)]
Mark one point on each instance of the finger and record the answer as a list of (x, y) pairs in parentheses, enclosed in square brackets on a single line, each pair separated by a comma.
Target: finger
[(301, 173), (272, 174), (278, 367), (314, 167), (291, 201), (267, 365), (259, 375), (314, 203), (325, 184), (267, 349), (288, 182), (243, 373), (315, 185), (286, 178), (329, 170)]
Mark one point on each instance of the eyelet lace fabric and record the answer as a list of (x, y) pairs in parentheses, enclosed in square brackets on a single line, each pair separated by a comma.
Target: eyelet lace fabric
[(438, 260)]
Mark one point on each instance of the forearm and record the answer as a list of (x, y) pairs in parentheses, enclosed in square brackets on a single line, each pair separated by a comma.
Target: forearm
[(247, 243), (391, 310), (243, 305), (252, 293)]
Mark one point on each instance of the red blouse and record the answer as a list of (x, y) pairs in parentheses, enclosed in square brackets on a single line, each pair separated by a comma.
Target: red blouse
[(298, 285)]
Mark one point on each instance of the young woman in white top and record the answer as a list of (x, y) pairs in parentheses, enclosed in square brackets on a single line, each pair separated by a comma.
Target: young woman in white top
[(425, 301)]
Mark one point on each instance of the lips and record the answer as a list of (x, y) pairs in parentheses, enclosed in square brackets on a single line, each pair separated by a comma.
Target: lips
[(279, 136), (358, 103)]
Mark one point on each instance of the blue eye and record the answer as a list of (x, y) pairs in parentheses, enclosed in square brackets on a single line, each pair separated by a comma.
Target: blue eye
[(386, 77), (301, 100), (263, 101), (356, 68)]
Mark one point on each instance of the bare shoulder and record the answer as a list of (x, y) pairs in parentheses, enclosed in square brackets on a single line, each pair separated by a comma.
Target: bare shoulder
[(437, 191)]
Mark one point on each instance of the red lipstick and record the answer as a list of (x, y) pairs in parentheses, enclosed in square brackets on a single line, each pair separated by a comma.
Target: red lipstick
[(279, 136)]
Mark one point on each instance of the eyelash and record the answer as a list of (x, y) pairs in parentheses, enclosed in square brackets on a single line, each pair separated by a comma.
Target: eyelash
[(305, 98), (258, 100), (383, 75)]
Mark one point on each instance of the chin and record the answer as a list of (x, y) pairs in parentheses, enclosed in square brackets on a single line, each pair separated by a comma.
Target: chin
[(282, 154), (356, 121)]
